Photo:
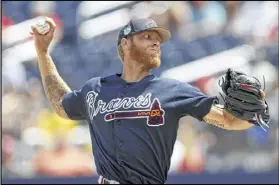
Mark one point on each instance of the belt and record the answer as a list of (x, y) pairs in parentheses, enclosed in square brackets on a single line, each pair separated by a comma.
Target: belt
[(103, 180)]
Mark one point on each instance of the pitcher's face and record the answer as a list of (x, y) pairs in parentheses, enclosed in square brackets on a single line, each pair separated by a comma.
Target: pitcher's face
[(145, 48)]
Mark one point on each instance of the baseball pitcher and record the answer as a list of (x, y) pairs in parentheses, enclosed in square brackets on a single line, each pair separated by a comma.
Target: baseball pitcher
[(133, 116)]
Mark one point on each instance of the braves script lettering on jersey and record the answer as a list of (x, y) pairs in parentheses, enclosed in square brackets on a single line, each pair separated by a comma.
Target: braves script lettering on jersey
[(134, 126), (154, 114)]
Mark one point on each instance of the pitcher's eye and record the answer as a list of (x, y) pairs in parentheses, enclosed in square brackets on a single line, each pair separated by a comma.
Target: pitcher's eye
[(146, 36)]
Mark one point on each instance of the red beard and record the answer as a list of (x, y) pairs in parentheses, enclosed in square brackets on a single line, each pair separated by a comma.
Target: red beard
[(150, 59)]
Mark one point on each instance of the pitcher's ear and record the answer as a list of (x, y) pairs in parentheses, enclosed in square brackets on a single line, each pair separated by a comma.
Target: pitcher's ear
[(125, 44)]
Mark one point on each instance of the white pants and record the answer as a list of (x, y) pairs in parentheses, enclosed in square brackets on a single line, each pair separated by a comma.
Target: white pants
[(102, 180)]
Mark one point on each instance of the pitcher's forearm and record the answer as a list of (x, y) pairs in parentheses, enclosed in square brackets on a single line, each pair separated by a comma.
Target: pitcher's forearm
[(236, 123), (54, 86), (46, 65), (222, 119)]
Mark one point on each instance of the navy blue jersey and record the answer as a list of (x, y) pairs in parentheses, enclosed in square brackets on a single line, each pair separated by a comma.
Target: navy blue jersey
[(134, 126)]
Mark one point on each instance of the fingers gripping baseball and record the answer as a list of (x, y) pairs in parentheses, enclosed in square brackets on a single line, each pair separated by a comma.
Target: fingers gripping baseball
[(51, 24), (42, 41)]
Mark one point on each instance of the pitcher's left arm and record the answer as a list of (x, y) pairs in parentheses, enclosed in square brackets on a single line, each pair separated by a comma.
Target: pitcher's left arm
[(218, 117)]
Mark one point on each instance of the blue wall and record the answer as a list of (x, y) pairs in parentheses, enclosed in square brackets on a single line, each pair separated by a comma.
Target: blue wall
[(204, 178)]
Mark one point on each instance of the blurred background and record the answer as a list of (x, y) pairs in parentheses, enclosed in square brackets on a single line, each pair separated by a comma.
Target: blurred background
[(208, 37)]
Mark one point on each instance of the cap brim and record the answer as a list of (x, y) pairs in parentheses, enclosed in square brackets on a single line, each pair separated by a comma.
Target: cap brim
[(165, 35)]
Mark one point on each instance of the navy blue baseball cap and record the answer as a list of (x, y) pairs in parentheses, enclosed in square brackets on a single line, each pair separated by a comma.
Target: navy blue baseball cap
[(140, 25)]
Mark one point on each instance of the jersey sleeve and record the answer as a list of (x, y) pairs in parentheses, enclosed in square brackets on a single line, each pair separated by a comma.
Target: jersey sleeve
[(191, 101), (73, 105)]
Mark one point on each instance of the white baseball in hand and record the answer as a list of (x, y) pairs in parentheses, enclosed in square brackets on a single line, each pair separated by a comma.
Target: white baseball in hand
[(42, 27)]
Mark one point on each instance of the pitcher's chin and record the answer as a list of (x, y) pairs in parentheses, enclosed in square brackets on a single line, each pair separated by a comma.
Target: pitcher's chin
[(154, 63)]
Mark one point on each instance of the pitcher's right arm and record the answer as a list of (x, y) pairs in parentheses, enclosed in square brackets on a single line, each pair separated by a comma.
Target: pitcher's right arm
[(54, 86)]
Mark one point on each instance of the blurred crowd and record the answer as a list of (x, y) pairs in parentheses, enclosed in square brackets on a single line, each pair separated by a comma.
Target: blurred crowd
[(37, 142)]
